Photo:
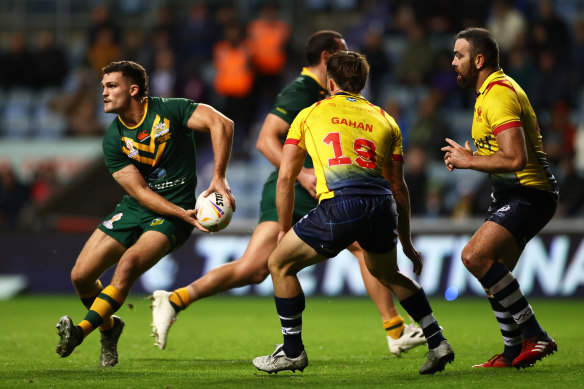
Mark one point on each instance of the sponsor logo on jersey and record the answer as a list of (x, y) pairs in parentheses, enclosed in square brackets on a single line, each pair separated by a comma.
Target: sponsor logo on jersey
[(143, 135), (351, 99), (109, 224), (132, 152), (157, 174), (156, 222), (161, 132), (167, 184)]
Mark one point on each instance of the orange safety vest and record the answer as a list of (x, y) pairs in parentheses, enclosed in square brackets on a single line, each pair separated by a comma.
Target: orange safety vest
[(234, 77), (268, 40)]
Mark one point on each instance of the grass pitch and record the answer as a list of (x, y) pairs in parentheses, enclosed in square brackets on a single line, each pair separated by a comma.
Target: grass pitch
[(214, 340)]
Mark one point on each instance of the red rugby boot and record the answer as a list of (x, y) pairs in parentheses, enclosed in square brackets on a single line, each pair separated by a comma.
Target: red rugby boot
[(535, 349), (497, 360)]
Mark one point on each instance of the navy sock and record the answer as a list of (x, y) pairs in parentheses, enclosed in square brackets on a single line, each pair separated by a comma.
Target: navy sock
[(290, 311), (420, 310)]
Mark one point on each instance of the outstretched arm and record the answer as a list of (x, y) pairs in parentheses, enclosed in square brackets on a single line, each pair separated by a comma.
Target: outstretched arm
[(207, 119)]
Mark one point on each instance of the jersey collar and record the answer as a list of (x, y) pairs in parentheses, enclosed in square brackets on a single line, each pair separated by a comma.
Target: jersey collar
[(145, 104), (306, 72), (494, 75)]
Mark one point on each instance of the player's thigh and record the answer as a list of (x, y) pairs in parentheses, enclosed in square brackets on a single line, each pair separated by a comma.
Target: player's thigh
[(491, 242), (261, 244), (292, 255), (145, 253), (381, 263), (100, 252)]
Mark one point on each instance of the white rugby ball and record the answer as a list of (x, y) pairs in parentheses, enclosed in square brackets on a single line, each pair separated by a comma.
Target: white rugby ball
[(213, 212)]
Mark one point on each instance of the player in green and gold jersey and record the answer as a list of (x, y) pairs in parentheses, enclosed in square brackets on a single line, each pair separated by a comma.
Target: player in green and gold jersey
[(150, 151)]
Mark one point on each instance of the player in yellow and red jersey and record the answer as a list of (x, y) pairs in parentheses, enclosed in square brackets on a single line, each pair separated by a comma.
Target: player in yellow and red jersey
[(525, 193), (356, 150)]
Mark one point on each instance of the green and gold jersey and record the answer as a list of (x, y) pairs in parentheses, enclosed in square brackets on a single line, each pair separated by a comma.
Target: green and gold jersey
[(161, 146), (502, 104), (349, 140), (304, 91)]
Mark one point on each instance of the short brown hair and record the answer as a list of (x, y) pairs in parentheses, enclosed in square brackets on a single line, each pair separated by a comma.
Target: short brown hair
[(349, 70), (482, 42), (133, 72), (324, 40)]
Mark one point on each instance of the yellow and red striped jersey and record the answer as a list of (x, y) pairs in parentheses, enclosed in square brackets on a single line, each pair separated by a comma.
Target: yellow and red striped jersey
[(502, 104), (349, 140)]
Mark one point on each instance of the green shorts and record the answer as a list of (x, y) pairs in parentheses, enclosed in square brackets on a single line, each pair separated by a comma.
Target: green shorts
[(303, 201), (130, 220)]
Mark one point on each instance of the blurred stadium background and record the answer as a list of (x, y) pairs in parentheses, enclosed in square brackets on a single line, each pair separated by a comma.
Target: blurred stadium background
[(54, 188)]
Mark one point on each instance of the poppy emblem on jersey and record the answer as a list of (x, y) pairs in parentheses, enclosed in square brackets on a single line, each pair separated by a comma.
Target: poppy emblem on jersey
[(132, 152), (479, 113), (109, 224), (156, 222), (143, 135)]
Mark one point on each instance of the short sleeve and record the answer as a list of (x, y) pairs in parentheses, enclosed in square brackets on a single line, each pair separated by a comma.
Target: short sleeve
[(114, 157), (503, 109), (297, 130)]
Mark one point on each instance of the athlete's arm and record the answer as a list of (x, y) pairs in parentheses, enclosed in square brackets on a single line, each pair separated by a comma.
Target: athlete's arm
[(292, 160), (511, 156), (269, 144), (393, 171), (207, 119), (134, 184)]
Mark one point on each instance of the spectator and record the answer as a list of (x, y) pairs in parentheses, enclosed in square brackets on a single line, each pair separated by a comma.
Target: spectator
[(17, 64), (572, 189), (49, 62), (429, 130), (163, 77), (268, 38), (373, 50), (417, 60), (416, 176), (14, 195), (234, 81), (507, 24)]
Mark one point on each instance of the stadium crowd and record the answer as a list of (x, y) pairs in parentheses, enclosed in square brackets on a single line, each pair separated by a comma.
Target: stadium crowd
[(236, 56)]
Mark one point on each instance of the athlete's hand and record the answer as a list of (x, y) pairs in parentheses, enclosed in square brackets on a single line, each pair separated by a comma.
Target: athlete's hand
[(220, 185), (307, 179), (190, 216), (414, 256), (456, 156)]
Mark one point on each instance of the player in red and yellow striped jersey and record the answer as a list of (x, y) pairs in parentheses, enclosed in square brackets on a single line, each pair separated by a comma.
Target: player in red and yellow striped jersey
[(525, 193), (357, 155)]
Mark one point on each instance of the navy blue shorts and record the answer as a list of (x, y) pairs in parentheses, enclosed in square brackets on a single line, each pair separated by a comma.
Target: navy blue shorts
[(336, 223), (523, 212)]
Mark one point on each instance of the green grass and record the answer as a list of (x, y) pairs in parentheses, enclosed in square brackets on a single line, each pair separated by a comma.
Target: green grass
[(213, 342)]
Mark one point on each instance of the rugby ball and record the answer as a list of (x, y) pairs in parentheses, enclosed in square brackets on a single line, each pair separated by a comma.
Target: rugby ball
[(213, 212)]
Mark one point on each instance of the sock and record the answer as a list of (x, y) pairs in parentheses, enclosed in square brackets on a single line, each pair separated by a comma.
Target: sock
[(503, 286), (88, 298), (290, 311), (179, 299), (106, 303), (512, 336), (420, 310), (394, 327)]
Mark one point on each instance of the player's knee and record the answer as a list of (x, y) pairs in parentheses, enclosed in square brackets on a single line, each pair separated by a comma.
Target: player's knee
[(251, 274), (471, 260)]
